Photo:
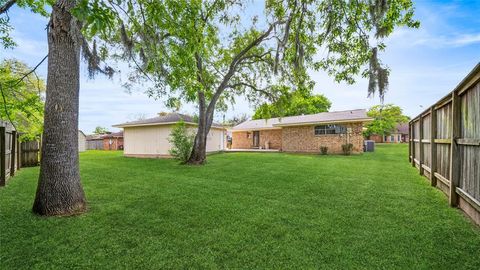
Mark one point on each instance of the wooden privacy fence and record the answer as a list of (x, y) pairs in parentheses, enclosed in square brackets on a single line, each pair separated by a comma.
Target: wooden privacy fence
[(15, 154), (9, 154), (445, 144), (30, 153)]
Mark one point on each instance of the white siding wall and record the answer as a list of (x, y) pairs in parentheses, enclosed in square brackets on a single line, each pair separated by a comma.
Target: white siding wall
[(82, 142), (153, 140)]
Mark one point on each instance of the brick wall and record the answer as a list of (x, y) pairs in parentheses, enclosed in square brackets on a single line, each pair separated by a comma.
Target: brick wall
[(376, 138), (241, 140), (274, 137), (117, 144), (303, 139), (244, 139)]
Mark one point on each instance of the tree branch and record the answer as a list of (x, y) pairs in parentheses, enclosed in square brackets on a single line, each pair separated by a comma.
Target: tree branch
[(253, 87), (31, 71), (232, 67), (7, 6), (5, 107)]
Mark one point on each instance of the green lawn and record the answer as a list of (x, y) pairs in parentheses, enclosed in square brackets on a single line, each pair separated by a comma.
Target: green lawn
[(243, 210)]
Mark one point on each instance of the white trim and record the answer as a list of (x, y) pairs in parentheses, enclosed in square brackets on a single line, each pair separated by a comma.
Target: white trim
[(254, 129)]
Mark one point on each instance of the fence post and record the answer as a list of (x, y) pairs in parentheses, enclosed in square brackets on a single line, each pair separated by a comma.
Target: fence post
[(412, 141), (19, 163), (2, 156), (420, 143), (409, 142), (12, 153), (433, 146), (454, 149)]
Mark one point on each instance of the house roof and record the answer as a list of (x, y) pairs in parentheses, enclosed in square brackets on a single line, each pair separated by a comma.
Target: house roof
[(170, 118), (359, 115), (92, 137), (113, 135), (402, 128)]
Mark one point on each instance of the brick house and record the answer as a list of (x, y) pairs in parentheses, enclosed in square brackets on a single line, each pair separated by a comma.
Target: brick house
[(113, 141), (398, 135), (303, 133)]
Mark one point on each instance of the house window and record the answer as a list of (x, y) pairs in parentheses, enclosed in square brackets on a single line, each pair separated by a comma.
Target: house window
[(392, 138), (399, 138), (330, 129), (384, 138)]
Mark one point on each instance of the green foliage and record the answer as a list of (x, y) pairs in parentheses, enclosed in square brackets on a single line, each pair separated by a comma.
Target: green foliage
[(100, 130), (347, 149), (21, 99), (323, 150), (181, 142), (386, 118), (293, 103), (187, 50)]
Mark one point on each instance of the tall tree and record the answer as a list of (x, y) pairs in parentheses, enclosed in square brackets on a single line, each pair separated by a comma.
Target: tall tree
[(210, 52), (293, 103), (100, 130), (21, 100), (386, 118), (59, 190)]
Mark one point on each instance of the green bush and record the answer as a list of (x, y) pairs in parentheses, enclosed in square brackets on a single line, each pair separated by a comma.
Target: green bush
[(347, 149), (182, 142), (323, 150)]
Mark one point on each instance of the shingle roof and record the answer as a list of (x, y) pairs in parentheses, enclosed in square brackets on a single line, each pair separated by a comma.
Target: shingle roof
[(326, 117), (113, 135), (92, 137), (162, 119)]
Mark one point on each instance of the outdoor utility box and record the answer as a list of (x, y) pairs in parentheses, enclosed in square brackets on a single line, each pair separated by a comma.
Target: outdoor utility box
[(369, 146)]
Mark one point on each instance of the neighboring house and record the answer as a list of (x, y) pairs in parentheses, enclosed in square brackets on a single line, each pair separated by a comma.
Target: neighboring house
[(113, 141), (82, 141), (398, 135), (303, 133), (95, 142), (150, 137)]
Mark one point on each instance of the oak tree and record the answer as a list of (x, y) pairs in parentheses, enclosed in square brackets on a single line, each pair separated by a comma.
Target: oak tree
[(293, 103), (210, 52), (22, 98), (386, 118)]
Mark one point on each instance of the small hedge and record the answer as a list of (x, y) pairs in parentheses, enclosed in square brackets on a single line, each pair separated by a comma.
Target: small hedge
[(347, 149)]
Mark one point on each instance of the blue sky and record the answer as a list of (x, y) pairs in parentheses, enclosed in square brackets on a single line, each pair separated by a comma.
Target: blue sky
[(425, 63)]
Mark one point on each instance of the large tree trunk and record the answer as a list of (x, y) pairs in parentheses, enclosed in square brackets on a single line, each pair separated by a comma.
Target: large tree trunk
[(59, 190), (199, 151)]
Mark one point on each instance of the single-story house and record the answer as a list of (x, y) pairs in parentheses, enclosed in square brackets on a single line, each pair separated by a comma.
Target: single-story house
[(82, 141), (150, 137), (113, 141), (398, 135), (303, 133)]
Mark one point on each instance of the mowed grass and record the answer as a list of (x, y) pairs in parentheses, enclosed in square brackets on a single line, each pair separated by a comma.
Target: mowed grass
[(242, 210)]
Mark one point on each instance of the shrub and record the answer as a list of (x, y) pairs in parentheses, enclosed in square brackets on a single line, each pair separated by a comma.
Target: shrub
[(182, 142), (323, 150), (347, 149)]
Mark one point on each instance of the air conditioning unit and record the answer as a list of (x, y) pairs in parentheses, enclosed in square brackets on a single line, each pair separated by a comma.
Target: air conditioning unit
[(368, 146)]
